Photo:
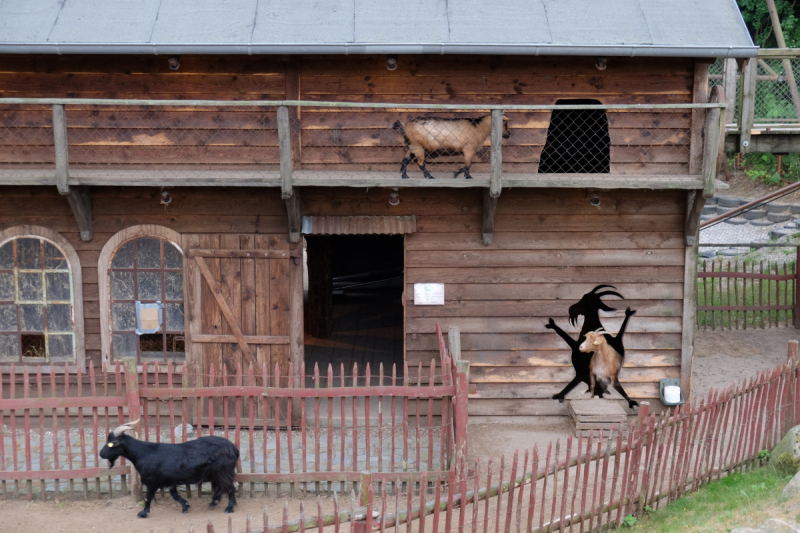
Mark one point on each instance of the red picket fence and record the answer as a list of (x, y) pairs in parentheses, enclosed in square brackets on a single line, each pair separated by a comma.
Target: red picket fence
[(738, 296), (399, 428), (585, 485)]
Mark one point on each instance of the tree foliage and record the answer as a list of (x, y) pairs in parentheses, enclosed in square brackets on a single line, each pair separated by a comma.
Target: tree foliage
[(756, 16)]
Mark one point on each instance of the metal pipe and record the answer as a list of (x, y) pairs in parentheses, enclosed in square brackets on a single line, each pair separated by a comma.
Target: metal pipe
[(627, 50), (763, 199), (305, 103)]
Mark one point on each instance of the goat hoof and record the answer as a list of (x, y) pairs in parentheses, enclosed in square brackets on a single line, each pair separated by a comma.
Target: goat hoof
[(229, 510), (212, 504), (186, 509), (142, 514)]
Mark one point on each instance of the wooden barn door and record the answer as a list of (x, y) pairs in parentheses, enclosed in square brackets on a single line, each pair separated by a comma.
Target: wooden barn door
[(240, 304)]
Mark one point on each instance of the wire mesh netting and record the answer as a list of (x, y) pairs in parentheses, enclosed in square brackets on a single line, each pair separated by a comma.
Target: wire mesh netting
[(109, 143), (773, 100)]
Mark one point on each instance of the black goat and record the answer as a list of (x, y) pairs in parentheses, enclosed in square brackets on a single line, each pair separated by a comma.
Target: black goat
[(590, 306), (207, 459)]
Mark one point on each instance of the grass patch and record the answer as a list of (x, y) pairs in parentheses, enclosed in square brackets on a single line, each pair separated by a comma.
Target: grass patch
[(739, 500)]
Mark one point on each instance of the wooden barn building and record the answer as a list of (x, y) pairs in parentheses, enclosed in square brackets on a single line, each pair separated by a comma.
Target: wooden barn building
[(220, 183)]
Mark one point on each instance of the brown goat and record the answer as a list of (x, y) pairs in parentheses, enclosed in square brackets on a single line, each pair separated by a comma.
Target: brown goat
[(431, 135), (605, 364)]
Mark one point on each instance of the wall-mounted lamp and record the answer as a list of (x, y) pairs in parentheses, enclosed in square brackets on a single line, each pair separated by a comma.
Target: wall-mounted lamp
[(600, 63), (166, 199), (174, 62), (391, 62), (394, 197), (595, 201)]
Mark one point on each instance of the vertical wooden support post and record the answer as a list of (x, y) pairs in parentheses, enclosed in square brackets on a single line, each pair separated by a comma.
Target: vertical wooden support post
[(294, 212), (748, 102), (132, 394), (715, 118), (729, 84), (496, 161), (296, 340), (79, 198), (365, 482), (699, 96), (285, 147), (489, 208), (694, 208), (60, 141), (796, 312)]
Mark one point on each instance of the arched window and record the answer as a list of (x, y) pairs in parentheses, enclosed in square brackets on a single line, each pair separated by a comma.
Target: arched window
[(41, 311), (143, 296)]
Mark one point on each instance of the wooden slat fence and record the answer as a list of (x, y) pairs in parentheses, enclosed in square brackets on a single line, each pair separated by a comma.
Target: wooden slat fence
[(583, 484), (733, 295), (397, 428)]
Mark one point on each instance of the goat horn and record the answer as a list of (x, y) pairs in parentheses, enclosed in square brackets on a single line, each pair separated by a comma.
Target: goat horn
[(600, 287), (125, 427), (609, 293)]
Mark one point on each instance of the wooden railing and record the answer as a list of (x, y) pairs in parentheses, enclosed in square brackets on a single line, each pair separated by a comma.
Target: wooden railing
[(395, 426)]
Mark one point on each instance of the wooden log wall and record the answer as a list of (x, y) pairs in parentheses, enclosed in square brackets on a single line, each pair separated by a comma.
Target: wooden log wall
[(233, 217), (329, 139), (549, 248)]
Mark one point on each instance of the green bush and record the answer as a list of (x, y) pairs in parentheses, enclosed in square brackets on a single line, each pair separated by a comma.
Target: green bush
[(787, 464)]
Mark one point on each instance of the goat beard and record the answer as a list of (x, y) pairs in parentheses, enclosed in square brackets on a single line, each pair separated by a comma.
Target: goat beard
[(111, 462)]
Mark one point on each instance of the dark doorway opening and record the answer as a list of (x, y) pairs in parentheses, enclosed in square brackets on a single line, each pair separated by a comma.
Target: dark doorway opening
[(577, 140), (354, 311)]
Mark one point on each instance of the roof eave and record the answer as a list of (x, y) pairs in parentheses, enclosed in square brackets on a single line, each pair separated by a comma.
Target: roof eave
[(611, 50)]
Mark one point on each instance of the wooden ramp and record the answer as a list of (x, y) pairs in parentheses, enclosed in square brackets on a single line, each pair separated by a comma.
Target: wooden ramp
[(596, 414)]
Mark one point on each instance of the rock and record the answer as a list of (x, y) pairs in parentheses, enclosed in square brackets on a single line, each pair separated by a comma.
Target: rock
[(744, 530), (776, 525), (731, 252), (792, 489), (713, 201), (709, 210), (790, 443), (707, 254), (794, 209), (779, 233), (761, 222), (722, 210), (735, 221)]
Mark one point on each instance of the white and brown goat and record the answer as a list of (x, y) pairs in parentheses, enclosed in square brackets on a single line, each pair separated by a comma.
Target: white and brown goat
[(425, 136), (605, 364)]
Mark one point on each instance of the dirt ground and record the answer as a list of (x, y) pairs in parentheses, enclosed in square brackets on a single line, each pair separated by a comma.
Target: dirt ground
[(721, 358)]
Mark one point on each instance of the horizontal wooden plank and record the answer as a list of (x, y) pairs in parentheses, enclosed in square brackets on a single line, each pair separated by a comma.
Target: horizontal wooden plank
[(535, 308), (482, 374), (142, 154), (612, 240), (99, 139), (541, 258), (535, 324), (537, 341), (542, 358), (79, 473), (569, 292), (245, 254), (133, 118), (550, 223), (249, 339), (60, 403), (185, 224), (425, 391), (545, 391), (597, 275)]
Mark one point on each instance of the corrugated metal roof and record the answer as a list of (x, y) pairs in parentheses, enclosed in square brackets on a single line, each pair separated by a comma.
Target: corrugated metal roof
[(364, 225), (688, 28)]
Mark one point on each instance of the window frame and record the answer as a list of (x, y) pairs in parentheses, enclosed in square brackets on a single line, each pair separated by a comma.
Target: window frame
[(104, 281), (74, 265)]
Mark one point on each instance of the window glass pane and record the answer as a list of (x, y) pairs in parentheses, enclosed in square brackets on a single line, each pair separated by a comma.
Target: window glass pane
[(174, 317), (59, 317), (9, 348), (149, 285), (8, 317), (33, 346), (123, 316), (30, 286), (172, 256), (148, 253), (58, 286), (7, 256), (122, 286), (124, 345), (32, 317), (60, 347), (123, 258), (152, 346), (176, 347), (29, 253), (173, 285), (7, 286), (53, 258)]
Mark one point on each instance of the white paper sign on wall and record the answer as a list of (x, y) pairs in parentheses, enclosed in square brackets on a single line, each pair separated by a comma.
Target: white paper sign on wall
[(429, 294)]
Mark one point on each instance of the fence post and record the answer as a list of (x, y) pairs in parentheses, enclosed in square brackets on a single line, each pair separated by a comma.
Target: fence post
[(132, 394), (365, 483), (462, 390), (748, 102), (796, 311)]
